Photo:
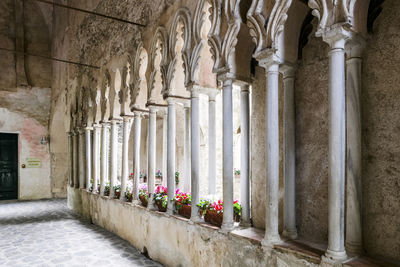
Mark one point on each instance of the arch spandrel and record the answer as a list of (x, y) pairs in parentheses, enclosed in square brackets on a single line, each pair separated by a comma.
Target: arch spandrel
[(105, 94), (180, 49), (138, 87), (201, 62)]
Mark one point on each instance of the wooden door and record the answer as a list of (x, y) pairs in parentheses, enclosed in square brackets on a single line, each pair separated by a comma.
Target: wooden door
[(8, 166)]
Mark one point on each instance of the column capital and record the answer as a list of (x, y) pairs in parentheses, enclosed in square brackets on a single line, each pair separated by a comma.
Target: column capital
[(96, 126), (126, 118), (288, 70), (355, 46), (153, 109), (115, 121), (88, 128), (268, 58), (336, 36)]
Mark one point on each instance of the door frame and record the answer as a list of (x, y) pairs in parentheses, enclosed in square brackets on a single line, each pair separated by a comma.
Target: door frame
[(17, 133)]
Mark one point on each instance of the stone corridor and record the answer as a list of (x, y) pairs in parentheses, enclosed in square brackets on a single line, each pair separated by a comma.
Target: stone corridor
[(46, 233)]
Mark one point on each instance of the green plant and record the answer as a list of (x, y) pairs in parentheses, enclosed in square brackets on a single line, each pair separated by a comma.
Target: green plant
[(159, 174), (204, 205), (176, 177), (117, 188), (237, 208), (236, 172)]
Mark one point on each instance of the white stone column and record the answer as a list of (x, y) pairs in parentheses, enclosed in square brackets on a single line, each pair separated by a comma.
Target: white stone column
[(212, 143), (171, 159), (96, 156), (271, 65), (88, 134), (289, 147), (164, 149), (336, 38), (227, 146), (186, 150), (354, 167), (70, 159), (151, 154), (82, 164), (136, 153), (195, 152), (125, 158), (75, 166), (245, 154), (114, 156), (104, 157)]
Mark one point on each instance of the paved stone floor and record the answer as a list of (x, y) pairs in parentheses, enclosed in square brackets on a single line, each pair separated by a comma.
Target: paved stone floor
[(46, 233)]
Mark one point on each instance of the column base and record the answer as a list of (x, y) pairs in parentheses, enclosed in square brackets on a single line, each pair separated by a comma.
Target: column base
[(194, 219), (245, 223), (337, 256), (270, 241), (354, 248), (227, 227), (291, 234)]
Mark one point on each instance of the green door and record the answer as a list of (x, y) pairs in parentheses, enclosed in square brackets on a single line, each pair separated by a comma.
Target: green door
[(8, 166)]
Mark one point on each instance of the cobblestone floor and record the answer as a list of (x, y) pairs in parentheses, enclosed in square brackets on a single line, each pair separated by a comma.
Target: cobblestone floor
[(46, 233)]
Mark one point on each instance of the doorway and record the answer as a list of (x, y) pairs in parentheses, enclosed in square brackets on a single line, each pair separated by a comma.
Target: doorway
[(8, 166)]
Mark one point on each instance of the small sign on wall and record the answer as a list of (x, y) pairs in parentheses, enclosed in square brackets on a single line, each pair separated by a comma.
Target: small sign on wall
[(33, 163)]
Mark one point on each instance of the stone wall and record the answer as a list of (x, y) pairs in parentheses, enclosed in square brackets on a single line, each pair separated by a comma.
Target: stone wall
[(381, 132), (312, 133)]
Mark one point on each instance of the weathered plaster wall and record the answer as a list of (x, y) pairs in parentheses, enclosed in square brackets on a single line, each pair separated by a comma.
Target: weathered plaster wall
[(184, 244), (34, 183), (381, 132), (312, 117)]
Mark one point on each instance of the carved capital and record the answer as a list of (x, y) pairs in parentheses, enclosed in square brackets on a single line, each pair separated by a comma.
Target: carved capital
[(262, 12), (336, 36), (355, 46), (268, 58)]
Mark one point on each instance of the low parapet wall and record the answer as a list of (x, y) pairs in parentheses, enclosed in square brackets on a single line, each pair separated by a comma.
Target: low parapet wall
[(174, 240)]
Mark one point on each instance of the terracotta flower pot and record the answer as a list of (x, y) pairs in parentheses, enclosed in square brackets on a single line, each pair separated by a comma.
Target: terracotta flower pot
[(130, 198), (160, 206), (143, 200), (185, 210), (214, 217), (117, 195)]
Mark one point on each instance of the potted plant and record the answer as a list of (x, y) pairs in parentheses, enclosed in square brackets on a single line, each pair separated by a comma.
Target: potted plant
[(203, 205), (159, 177), (160, 198), (143, 195), (214, 213), (183, 203), (107, 189), (128, 194), (236, 172), (117, 191), (176, 177), (143, 177)]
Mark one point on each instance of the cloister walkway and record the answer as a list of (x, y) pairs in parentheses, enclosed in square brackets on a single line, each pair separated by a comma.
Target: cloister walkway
[(46, 233)]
